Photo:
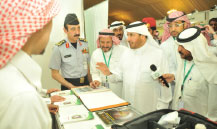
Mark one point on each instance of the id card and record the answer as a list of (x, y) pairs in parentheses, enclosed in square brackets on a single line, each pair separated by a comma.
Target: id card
[(106, 85), (82, 80), (181, 104)]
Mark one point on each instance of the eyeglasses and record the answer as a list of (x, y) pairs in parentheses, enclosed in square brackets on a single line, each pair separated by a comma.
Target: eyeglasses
[(213, 24), (176, 25)]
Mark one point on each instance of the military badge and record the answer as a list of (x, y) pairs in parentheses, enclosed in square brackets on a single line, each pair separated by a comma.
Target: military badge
[(67, 45), (60, 42), (84, 50)]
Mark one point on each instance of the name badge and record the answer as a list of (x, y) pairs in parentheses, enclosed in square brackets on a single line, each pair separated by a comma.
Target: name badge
[(106, 84), (66, 56)]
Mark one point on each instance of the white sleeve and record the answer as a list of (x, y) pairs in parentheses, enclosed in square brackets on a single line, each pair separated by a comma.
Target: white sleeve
[(212, 108), (115, 76), (213, 49), (94, 72), (214, 43), (25, 111), (165, 92), (42, 92), (55, 60), (117, 73)]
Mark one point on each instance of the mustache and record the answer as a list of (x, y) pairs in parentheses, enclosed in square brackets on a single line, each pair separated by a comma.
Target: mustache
[(180, 53), (76, 35), (174, 32), (119, 35), (105, 47)]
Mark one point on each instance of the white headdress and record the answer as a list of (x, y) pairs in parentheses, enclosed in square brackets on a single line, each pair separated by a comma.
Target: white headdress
[(140, 28)]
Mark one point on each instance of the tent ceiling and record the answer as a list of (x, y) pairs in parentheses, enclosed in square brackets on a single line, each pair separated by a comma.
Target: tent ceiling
[(133, 10), (90, 3)]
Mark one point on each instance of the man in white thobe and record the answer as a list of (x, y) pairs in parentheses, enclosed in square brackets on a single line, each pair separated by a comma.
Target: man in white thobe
[(109, 52), (176, 22), (119, 29), (139, 88), (196, 77), (23, 35)]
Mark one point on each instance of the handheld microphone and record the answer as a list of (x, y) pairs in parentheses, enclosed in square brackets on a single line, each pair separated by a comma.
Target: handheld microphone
[(156, 74)]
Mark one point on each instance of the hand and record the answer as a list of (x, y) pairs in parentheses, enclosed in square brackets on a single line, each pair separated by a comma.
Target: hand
[(52, 90), (168, 77), (94, 84), (56, 98), (53, 108), (71, 86), (209, 29), (103, 68)]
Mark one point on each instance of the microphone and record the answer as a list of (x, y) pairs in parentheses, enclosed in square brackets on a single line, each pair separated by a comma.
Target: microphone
[(156, 74)]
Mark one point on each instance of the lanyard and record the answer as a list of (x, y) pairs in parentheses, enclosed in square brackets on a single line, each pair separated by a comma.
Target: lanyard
[(185, 76), (107, 64)]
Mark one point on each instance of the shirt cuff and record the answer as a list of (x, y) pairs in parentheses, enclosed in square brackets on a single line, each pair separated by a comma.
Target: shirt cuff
[(43, 92), (96, 78), (115, 76)]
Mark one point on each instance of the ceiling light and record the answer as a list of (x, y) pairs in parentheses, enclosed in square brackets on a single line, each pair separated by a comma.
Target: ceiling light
[(170, 11)]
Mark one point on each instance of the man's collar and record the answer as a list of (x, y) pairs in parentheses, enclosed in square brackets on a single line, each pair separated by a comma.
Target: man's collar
[(70, 44)]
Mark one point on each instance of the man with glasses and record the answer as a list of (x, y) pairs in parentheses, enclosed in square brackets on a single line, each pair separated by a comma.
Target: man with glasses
[(213, 23), (176, 22)]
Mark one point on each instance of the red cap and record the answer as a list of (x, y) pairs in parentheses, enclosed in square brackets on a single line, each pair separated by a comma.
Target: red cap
[(150, 20)]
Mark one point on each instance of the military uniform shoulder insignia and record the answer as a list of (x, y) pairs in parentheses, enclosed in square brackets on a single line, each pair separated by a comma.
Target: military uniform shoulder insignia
[(61, 42), (83, 39)]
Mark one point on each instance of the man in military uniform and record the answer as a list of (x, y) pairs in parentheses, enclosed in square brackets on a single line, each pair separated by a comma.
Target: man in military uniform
[(71, 57)]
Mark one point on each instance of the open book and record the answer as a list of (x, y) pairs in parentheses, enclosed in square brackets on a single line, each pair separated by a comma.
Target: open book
[(102, 100), (118, 115), (87, 89)]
